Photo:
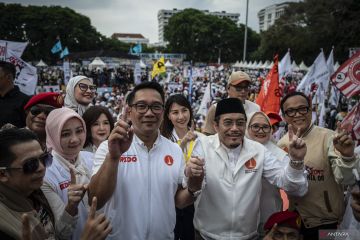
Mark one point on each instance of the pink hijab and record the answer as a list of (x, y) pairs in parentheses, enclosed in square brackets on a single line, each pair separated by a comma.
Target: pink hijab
[(54, 125)]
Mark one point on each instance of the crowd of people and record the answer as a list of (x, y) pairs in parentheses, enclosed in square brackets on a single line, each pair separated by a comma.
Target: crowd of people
[(141, 162)]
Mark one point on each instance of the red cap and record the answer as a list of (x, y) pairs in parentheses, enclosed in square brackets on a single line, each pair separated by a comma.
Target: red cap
[(274, 117), (291, 219), (49, 98)]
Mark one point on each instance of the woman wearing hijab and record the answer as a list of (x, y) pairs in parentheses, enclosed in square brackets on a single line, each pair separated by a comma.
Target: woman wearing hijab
[(259, 129), (80, 92), (66, 180)]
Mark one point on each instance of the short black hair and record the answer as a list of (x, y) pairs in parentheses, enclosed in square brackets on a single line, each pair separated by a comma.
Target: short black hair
[(146, 85), (292, 95), (91, 115), (10, 137), (8, 67)]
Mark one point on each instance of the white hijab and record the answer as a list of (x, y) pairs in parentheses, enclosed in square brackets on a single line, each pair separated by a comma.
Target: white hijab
[(272, 147), (70, 101)]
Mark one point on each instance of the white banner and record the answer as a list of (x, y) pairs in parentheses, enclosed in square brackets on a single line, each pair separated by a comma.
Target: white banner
[(137, 73), (17, 48), (26, 75), (67, 72), (205, 102)]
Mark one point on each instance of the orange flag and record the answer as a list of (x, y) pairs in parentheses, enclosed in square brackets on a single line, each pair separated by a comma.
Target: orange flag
[(269, 95)]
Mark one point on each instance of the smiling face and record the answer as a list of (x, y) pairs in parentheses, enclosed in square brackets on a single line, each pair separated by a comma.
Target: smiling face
[(179, 116), (231, 129), (81, 96), (100, 130), (17, 179), (297, 113), (147, 123), (259, 129), (72, 136)]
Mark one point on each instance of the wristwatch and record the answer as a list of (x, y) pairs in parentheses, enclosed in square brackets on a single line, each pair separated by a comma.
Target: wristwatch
[(194, 194)]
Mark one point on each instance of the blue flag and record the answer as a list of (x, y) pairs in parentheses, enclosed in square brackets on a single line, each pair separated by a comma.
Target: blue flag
[(57, 47), (64, 52), (137, 49)]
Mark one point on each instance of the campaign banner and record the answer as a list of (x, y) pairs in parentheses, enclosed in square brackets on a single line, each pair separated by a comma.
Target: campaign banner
[(17, 48), (137, 73), (26, 76), (67, 71)]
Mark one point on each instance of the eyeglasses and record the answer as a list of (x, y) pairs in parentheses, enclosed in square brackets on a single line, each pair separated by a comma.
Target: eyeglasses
[(257, 127), (84, 87), (32, 164), (240, 88), (238, 123), (143, 108), (36, 110), (291, 112)]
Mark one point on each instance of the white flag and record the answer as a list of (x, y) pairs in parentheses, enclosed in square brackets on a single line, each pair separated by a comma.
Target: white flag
[(284, 70), (17, 48), (318, 74), (335, 93), (205, 102), (26, 75), (322, 116)]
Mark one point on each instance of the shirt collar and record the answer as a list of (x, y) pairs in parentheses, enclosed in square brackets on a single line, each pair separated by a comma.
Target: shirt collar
[(141, 143)]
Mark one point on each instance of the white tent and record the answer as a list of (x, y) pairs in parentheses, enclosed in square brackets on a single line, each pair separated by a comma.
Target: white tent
[(142, 64), (41, 64), (236, 65), (271, 65), (294, 66), (168, 64), (259, 65), (303, 67), (266, 63), (97, 63)]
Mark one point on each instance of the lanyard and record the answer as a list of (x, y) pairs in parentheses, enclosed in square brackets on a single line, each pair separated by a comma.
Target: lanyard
[(187, 154)]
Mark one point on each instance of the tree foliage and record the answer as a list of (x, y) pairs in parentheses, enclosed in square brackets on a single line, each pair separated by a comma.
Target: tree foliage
[(310, 25), (41, 25), (203, 37)]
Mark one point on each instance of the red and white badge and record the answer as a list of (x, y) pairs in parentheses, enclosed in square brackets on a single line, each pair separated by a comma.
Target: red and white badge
[(168, 160), (250, 164)]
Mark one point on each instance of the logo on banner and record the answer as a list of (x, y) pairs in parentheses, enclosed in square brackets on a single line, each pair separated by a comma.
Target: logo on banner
[(64, 185), (168, 160), (354, 71)]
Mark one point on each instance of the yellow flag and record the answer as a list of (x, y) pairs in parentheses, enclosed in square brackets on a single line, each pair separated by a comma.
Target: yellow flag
[(159, 67)]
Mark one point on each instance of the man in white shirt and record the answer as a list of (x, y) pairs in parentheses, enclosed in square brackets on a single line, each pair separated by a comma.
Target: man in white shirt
[(238, 86), (228, 205), (138, 173)]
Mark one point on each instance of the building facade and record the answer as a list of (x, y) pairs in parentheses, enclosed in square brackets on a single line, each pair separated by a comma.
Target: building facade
[(270, 14), (165, 15), (134, 38)]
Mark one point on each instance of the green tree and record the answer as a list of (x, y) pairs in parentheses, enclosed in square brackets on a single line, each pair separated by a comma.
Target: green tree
[(41, 25), (204, 37), (310, 25)]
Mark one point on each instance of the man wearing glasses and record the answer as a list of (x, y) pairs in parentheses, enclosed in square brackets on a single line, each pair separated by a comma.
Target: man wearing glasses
[(329, 162), (238, 86), (138, 174), (37, 110), (228, 205), (22, 169)]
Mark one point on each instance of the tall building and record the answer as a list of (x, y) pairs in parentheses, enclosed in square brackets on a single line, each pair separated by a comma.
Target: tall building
[(165, 15), (268, 15), (130, 38)]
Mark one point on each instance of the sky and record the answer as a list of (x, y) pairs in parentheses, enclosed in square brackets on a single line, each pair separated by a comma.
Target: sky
[(140, 16)]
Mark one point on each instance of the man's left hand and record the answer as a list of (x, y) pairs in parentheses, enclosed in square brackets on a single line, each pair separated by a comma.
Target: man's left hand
[(343, 142)]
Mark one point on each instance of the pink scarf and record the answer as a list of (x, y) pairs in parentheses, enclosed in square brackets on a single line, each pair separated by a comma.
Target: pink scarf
[(54, 125)]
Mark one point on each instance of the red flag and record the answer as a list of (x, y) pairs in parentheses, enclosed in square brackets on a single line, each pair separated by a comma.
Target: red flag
[(347, 77), (269, 96), (352, 122)]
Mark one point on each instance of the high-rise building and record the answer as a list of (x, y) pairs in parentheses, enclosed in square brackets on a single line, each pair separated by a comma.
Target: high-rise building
[(268, 15), (130, 38), (165, 15)]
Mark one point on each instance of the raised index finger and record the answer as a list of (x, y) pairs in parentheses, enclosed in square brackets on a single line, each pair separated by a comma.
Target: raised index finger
[(72, 176), (125, 115), (291, 132)]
